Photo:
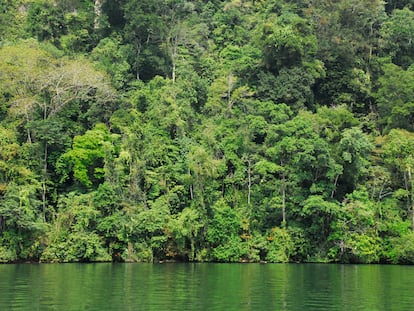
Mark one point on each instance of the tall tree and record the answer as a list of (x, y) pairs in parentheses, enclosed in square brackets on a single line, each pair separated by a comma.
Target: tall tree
[(395, 98), (398, 153), (46, 94)]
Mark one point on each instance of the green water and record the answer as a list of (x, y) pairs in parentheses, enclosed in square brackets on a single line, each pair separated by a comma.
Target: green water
[(206, 287)]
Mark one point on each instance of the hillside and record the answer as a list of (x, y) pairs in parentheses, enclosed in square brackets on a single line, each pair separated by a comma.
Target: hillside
[(228, 131)]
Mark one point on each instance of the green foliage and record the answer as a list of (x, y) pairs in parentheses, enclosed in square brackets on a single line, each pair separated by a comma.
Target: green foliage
[(400, 250), (395, 98), (223, 234), (280, 246), (287, 41), (73, 236), (348, 34), (87, 158), (11, 19), (112, 57), (76, 246), (320, 213), (186, 228), (355, 147), (398, 155), (21, 223), (355, 233), (229, 131), (398, 32), (45, 21), (292, 86)]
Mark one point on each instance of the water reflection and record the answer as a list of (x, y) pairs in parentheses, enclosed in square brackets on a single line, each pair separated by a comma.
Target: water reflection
[(206, 287)]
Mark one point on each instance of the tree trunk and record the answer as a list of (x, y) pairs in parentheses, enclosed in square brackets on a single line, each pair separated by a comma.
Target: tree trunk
[(191, 187), (230, 84), (44, 177), (174, 59), (249, 181), (283, 189), (44, 190), (98, 11), (335, 184), (411, 196)]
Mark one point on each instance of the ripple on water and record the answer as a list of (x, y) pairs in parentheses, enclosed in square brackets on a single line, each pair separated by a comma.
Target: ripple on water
[(206, 287)]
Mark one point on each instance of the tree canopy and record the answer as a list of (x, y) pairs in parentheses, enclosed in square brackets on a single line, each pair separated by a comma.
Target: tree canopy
[(228, 131)]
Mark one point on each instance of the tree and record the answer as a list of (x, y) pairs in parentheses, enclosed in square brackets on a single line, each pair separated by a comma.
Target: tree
[(12, 161), (88, 157), (45, 21), (280, 245), (138, 130), (292, 86), (11, 20), (303, 160), (398, 153), (354, 230), (355, 148), (203, 168), (186, 228), (398, 37), (397, 4), (319, 213), (395, 98), (147, 231), (73, 236), (286, 41), (21, 223), (223, 234), (112, 57), (348, 34), (144, 29), (46, 94)]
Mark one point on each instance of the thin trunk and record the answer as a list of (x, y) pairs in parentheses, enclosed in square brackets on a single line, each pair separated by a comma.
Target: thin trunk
[(29, 136), (174, 59), (230, 103), (44, 177), (374, 188), (44, 190), (249, 181), (138, 47), (412, 216), (284, 201), (191, 188), (98, 11), (335, 183), (370, 43), (229, 88), (44, 200), (410, 207), (191, 193), (411, 198)]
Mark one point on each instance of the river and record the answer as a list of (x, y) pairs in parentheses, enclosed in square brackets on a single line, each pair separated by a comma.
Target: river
[(301, 287)]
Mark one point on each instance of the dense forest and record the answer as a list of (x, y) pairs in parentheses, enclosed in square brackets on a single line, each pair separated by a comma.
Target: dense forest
[(224, 130)]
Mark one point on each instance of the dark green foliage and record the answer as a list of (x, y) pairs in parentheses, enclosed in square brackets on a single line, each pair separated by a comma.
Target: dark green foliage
[(395, 98), (228, 131), (398, 34), (45, 21)]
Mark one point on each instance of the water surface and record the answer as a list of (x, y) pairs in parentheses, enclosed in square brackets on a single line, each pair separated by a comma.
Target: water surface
[(118, 287)]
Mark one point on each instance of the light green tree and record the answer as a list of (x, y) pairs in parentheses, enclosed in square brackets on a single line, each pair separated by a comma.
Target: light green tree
[(88, 156)]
